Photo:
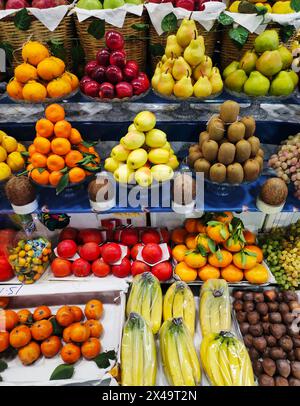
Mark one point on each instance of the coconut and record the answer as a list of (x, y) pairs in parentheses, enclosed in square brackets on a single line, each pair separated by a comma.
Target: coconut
[(101, 194), (21, 194), (184, 190), (274, 192)]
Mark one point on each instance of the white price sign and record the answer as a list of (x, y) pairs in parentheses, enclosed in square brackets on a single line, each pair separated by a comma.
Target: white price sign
[(10, 290)]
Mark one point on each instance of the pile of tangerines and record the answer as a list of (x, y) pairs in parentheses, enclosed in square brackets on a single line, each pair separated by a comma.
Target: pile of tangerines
[(58, 152), (41, 332), (217, 246)]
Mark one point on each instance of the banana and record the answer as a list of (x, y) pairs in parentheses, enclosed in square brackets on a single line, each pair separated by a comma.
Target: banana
[(189, 309), (168, 302), (235, 362), (204, 314), (134, 303), (137, 354), (213, 362), (150, 361), (162, 347), (178, 302), (192, 355), (156, 307), (246, 371), (146, 302), (214, 311), (224, 363), (172, 359), (126, 354), (184, 360)]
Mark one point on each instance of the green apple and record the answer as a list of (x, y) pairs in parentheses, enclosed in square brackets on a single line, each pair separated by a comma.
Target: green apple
[(89, 4), (137, 158), (137, 2), (111, 164), (133, 140), (145, 121), (120, 153), (173, 162), (123, 174), (158, 156), (143, 176), (113, 3), (156, 138), (162, 173)]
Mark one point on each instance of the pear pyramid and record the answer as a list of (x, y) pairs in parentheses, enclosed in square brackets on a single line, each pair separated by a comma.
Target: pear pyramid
[(184, 70)]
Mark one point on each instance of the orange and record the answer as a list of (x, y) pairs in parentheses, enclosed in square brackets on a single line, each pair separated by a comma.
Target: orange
[(25, 72), (72, 158), (232, 274), (41, 312), (201, 228), (40, 178), (14, 89), (4, 301), (51, 346), (224, 217), (29, 168), (41, 330), (91, 348), (60, 146), (203, 243), (34, 52), (4, 340), (191, 241), (178, 235), (79, 333), (257, 274), (249, 237), (8, 319), (185, 273), (75, 137), (232, 245), (96, 328), (55, 162), (64, 316), (24, 316), (70, 353), (67, 334), (93, 309), (76, 175), (208, 272), (256, 250), (195, 260), (243, 260), (220, 259), (58, 88), (20, 336), (179, 251), (34, 92), (31, 150), (29, 353), (44, 127), (62, 129), (42, 145), (217, 231), (191, 225), (72, 79), (55, 177), (77, 312), (38, 160), (50, 68), (54, 112)]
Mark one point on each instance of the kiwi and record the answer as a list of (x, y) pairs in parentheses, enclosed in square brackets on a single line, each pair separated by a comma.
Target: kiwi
[(226, 153), (243, 151), (250, 125), (216, 129), (193, 156), (260, 161), (210, 150), (236, 131), (202, 165), (203, 136), (255, 145), (217, 173), (229, 111), (194, 148), (261, 152), (235, 173), (251, 170)]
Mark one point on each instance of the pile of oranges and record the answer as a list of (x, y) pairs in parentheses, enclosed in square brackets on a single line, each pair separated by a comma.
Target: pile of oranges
[(217, 246), (58, 151), (40, 76), (41, 333)]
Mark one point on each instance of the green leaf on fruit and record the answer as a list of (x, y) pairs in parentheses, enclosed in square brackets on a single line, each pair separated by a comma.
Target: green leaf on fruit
[(243, 258), (41, 170), (3, 365), (140, 27), (211, 245), (295, 5), (223, 233), (63, 183), (246, 7), (261, 10), (250, 254), (225, 19), (169, 23), (89, 144), (239, 35), (63, 371), (202, 250), (57, 329), (219, 255), (22, 20), (103, 360), (285, 32), (57, 49), (157, 50), (97, 28), (8, 49)]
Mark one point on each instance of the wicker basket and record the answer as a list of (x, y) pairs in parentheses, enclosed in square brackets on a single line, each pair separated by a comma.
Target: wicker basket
[(230, 52), (135, 48), (38, 32), (210, 39)]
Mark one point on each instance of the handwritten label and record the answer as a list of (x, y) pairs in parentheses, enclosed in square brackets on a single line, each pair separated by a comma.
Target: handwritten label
[(10, 290)]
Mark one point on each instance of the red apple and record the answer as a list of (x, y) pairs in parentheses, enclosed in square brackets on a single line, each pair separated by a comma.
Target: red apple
[(129, 236), (150, 236), (144, 78), (90, 235), (135, 250), (186, 4), (81, 267), (68, 233), (124, 89), (43, 3), (15, 4), (162, 271), (123, 269), (118, 58), (129, 74), (138, 267), (165, 235), (83, 81), (138, 86), (114, 74), (91, 88), (102, 57), (114, 40), (100, 268), (133, 65), (98, 74), (152, 253), (107, 91), (89, 67)]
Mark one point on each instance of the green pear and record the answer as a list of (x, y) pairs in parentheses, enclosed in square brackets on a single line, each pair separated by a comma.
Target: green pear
[(120, 153), (143, 176), (235, 80), (184, 87), (203, 87), (204, 68), (186, 32), (113, 4), (166, 84), (216, 81), (282, 85), (256, 84), (195, 51), (173, 162), (269, 63), (172, 47), (137, 158), (233, 66), (123, 174), (286, 57), (158, 156), (162, 172), (294, 77), (266, 41), (111, 164), (180, 68), (156, 138), (144, 121), (89, 4), (133, 140), (156, 76), (248, 61)]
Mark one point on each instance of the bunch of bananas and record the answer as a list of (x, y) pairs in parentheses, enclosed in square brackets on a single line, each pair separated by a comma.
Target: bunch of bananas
[(179, 302), (179, 358), (146, 299), (226, 360), (138, 353), (215, 309)]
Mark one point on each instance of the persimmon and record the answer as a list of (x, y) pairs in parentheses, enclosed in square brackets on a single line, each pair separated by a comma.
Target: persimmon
[(51, 346), (41, 312), (8, 319), (41, 330), (91, 348), (178, 235), (79, 332), (77, 312), (96, 328), (4, 340), (65, 316), (4, 301), (30, 353), (70, 353), (67, 334), (191, 225), (20, 336), (24, 316), (93, 309)]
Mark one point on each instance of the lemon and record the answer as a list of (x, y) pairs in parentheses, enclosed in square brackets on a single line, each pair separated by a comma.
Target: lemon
[(2, 134), (234, 8), (5, 171), (9, 143), (3, 154), (15, 161), (282, 7), (21, 148)]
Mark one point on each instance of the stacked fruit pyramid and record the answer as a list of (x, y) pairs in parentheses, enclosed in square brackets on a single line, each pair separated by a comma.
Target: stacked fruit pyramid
[(185, 71), (58, 155), (144, 154), (264, 71), (228, 151), (40, 76), (11, 158)]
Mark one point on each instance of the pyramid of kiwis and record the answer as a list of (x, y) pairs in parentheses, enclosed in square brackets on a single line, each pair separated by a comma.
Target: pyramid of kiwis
[(228, 151)]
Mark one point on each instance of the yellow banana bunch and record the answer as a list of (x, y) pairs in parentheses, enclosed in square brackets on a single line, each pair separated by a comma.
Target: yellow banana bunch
[(146, 299), (138, 353), (179, 358), (179, 302), (225, 360), (215, 308)]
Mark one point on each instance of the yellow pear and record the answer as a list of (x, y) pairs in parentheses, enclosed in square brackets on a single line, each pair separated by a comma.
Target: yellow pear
[(203, 87), (168, 65), (186, 32), (184, 87), (165, 84), (173, 49), (204, 68), (194, 53), (216, 81), (180, 68), (156, 77)]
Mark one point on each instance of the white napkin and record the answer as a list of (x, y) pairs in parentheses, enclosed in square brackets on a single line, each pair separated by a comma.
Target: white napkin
[(249, 21), (157, 13)]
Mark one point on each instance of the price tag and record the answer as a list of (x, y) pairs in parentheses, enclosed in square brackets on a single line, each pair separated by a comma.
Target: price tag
[(10, 290)]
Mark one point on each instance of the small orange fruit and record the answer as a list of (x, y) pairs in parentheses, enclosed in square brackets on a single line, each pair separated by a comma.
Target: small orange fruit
[(60, 62), (31, 150), (220, 259), (4, 340), (72, 79), (76, 175), (232, 274), (93, 309), (20, 336), (41, 312), (91, 348), (201, 227), (34, 92), (185, 272), (249, 237), (62, 129), (77, 312), (58, 88), (191, 241), (245, 259), (54, 112), (4, 301), (42, 145), (24, 316), (14, 89), (29, 168), (224, 217), (72, 158), (232, 245), (8, 319), (49, 69), (179, 251), (65, 316), (79, 332), (203, 242), (44, 127), (55, 162), (217, 231), (38, 160), (51, 346), (75, 137), (70, 353), (60, 146), (55, 177), (67, 334), (258, 274), (256, 250), (178, 235), (25, 72), (41, 330), (34, 52), (42, 178), (195, 260), (191, 225), (96, 328), (29, 353), (208, 272)]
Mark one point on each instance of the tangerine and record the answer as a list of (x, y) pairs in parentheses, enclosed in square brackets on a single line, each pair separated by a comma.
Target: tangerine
[(245, 259), (42, 145), (24, 316), (70, 353), (72, 158), (14, 89), (232, 245), (96, 328), (30, 353), (25, 72), (191, 225), (31, 150), (191, 241), (201, 228), (34, 52), (4, 301), (208, 272), (60, 146), (41, 312), (38, 160), (93, 309), (256, 250), (249, 237), (44, 127), (4, 340), (51, 346), (195, 260), (79, 332), (77, 312), (49, 69), (178, 235), (41, 330), (91, 348), (62, 129), (54, 112), (217, 231), (55, 162), (42, 178), (75, 137), (76, 175), (34, 92), (55, 177), (258, 274), (185, 272), (65, 316), (58, 88), (220, 259), (20, 336), (179, 251), (203, 243), (224, 217), (232, 274), (72, 79)]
